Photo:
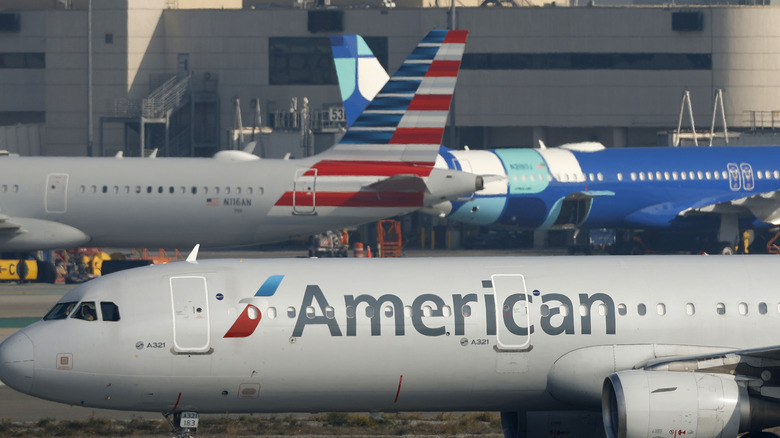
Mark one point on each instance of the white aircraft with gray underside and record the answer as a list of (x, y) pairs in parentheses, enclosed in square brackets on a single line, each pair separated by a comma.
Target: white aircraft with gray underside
[(666, 346), (236, 198)]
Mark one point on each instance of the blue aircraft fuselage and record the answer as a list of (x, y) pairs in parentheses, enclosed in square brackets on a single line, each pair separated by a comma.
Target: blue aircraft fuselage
[(588, 186)]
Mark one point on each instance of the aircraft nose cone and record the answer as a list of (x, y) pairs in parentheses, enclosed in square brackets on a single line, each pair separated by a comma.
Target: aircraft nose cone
[(16, 362)]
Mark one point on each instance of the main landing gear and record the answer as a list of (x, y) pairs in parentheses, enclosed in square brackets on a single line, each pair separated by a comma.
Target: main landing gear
[(183, 423)]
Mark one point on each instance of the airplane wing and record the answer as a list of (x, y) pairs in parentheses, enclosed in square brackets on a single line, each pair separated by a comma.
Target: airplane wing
[(750, 365), (25, 233), (7, 224), (765, 207)]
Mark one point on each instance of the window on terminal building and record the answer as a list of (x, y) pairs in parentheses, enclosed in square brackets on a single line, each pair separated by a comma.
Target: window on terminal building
[(309, 60)]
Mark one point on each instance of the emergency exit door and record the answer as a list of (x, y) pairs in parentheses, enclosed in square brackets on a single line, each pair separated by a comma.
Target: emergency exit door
[(513, 312), (56, 193), (191, 327)]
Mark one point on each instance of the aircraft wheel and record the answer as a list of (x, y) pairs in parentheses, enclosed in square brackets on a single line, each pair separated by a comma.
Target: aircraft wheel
[(724, 248)]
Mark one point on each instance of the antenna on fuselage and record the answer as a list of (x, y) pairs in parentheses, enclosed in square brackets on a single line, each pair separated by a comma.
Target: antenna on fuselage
[(193, 256)]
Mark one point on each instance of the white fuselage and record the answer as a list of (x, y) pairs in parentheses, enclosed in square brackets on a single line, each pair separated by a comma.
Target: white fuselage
[(502, 334), (178, 202)]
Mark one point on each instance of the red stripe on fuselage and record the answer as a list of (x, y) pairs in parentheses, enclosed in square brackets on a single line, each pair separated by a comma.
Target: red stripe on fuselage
[(417, 136), (369, 168), (443, 69), (352, 199), (430, 102)]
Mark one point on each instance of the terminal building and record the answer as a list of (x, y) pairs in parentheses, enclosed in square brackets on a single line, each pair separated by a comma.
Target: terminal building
[(187, 80), (191, 77)]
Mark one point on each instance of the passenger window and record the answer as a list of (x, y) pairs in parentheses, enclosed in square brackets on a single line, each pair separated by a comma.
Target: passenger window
[(138, 189), (641, 309), (465, 310), (227, 190), (60, 311), (116, 189), (82, 189), (249, 190), (86, 311), (109, 310), (171, 190), (194, 190), (350, 312), (148, 189), (762, 308), (622, 309), (159, 189), (369, 312), (238, 190), (389, 311), (544, 310), (330, 313), (690, 309), (720, 308), (743, 309), (620, 176), (660, 308), (291, 312), (446, 311), (310, 312), (271, 312)]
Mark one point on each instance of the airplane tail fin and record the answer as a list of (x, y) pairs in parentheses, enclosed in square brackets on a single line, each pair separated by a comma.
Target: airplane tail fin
[(406, 120), (360, 74)]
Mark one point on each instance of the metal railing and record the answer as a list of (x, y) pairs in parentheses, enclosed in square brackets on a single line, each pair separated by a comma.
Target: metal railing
[(760, 120), (319, 121), (166, 97)]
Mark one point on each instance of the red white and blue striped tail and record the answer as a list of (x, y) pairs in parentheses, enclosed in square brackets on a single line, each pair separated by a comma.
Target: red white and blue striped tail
[(406, 120)]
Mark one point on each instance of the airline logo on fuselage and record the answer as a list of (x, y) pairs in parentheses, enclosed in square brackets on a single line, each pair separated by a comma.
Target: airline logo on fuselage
[(429, 318), (435, 315), (247, 321)]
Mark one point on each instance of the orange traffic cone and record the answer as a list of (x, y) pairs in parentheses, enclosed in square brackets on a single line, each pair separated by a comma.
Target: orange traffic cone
[(368, 253)]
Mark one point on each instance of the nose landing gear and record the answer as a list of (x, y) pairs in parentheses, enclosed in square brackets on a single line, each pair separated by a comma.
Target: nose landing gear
[(183, 423)]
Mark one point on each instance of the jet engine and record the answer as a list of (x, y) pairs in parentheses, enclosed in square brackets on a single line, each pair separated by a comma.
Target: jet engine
[(638, 403)]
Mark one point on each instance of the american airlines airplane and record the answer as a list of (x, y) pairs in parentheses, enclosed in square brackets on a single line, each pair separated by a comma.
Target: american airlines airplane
[(665, 346), (375, 171), (585, 185)]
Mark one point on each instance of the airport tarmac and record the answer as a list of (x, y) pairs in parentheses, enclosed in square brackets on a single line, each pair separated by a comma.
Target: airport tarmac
[(22, 304)]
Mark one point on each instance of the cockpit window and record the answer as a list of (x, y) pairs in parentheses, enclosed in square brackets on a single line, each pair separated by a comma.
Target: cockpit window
[(109, 310), (60, 311), (86, 311)]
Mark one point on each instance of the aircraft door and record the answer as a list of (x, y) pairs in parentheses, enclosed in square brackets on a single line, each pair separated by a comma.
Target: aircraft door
[(191, 326), (513, 313), (305, 192), (56, 192)]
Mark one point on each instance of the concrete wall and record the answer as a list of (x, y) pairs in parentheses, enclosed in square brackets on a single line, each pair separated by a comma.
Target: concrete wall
[(494, 108)]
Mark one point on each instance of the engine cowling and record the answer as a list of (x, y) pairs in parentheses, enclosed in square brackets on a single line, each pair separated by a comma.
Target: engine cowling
[(638, 403)]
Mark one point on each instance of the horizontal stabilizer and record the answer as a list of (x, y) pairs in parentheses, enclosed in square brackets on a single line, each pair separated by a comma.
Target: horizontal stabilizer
[(400, 183)]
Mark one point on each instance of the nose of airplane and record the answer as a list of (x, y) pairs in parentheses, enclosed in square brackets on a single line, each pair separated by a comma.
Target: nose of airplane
[(16, 362)]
